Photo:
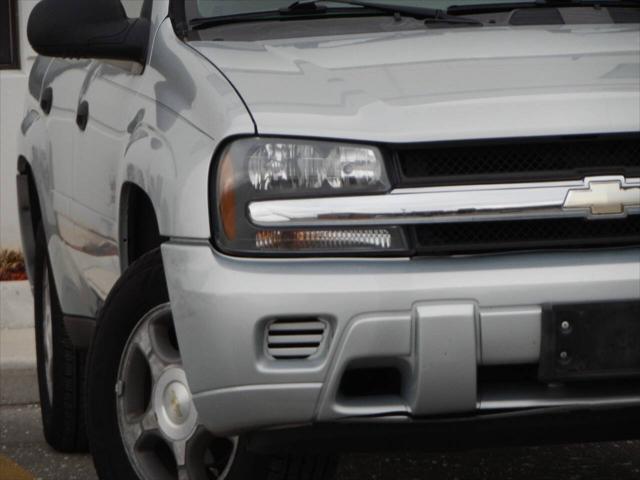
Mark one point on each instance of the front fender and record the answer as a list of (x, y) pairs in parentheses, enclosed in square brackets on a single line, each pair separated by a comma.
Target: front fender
[(184, 109)]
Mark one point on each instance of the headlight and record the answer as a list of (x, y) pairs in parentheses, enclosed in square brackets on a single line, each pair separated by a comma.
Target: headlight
[(310, 167), (257, 169)]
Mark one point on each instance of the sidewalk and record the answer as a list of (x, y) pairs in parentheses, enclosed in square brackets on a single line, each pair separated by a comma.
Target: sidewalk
[(18, 383)]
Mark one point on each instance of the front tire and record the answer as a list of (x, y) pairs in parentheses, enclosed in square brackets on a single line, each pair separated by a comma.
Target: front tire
[(60, 366), (141, 420)]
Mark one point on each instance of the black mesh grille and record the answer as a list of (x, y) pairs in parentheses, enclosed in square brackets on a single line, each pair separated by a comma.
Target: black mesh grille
[(472, 237), (525, 160)]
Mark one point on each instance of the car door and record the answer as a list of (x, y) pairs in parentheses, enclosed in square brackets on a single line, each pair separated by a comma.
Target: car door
[(103, 113), (58, 100)]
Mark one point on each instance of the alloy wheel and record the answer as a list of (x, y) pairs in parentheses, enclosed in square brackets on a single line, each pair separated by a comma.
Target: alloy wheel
[(158, 421)]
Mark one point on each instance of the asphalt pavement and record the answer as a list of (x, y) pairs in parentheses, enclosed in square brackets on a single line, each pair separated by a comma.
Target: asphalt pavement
[(25, 456)]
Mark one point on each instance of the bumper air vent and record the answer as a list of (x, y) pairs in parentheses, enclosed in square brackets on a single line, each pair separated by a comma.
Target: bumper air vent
[(296, 338)]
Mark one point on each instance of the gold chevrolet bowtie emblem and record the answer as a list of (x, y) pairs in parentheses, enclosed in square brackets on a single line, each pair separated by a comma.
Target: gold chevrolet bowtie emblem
[(604, 198), (175, 405)]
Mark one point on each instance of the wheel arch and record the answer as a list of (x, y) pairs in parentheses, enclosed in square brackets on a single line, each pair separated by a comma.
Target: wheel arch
[(138, 224), (29, 213)]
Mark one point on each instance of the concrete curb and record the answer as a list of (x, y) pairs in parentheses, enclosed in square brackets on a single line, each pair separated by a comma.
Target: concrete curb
[(16, 305), (19, 387), (18, 377)]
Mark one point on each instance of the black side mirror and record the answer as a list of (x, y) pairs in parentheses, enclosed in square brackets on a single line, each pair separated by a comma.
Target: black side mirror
[(87, 29)]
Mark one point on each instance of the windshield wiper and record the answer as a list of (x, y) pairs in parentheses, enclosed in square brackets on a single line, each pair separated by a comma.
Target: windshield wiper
[(420, 13), (312, 8), (470, 9), (284, 13)]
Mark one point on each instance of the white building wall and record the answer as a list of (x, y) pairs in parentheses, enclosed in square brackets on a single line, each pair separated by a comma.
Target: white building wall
[(13, 87)]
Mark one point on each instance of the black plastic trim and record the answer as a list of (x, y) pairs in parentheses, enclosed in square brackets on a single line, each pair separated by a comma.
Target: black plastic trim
[(540, 16), (600, 340), (46, 101), (147, 9), (81, 29), (82, 116), (178, 16), (521, 428), (27, 215)]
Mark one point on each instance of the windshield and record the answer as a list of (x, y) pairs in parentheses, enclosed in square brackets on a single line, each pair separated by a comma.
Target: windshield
[(218, 8), (403, 14)]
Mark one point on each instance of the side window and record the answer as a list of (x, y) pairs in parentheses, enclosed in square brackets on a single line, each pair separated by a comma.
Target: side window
[(133, 7), (9, 52)]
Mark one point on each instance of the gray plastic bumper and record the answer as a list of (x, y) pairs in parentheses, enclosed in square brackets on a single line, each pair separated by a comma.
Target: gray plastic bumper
[(438, 319)]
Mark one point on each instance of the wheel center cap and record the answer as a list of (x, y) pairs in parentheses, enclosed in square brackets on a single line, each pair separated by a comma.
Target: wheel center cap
[(177, 402), (173, 404)]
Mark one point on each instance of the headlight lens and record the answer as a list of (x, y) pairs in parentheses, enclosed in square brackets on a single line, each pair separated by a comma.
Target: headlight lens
[(255, 169), (290, 167)]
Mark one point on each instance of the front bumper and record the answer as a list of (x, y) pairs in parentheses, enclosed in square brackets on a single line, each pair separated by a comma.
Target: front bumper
[(436, 320)]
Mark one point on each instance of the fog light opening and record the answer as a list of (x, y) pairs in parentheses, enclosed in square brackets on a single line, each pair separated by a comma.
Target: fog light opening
[(371, 382)]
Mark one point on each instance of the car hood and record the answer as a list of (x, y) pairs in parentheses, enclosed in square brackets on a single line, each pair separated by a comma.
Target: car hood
[(440, 84)]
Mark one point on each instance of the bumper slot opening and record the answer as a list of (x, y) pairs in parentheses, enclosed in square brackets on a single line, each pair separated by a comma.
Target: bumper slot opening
[(514, 374), (365, 382), (513, 387)]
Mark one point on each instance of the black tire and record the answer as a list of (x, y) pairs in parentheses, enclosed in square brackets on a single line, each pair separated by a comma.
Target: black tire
[(62, 408), (141, 289)]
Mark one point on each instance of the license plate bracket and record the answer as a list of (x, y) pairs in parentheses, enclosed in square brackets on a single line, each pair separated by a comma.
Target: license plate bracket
[(590, 341)]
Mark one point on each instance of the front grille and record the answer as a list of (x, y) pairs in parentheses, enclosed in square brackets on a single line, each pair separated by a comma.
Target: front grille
[(295, 339), (565, 233), (522, 160)]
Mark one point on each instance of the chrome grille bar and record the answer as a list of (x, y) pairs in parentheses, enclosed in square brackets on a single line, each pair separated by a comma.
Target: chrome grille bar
[(518, 201)]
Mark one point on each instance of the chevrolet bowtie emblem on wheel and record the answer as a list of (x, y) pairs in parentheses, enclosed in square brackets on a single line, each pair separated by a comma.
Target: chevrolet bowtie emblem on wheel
[(603, 197)]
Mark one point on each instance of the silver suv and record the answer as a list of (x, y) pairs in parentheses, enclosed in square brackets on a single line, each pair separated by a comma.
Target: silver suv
[(260, 233)]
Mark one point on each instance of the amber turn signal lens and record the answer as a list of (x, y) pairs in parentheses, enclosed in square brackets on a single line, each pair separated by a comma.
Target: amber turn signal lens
[(227, 198)]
